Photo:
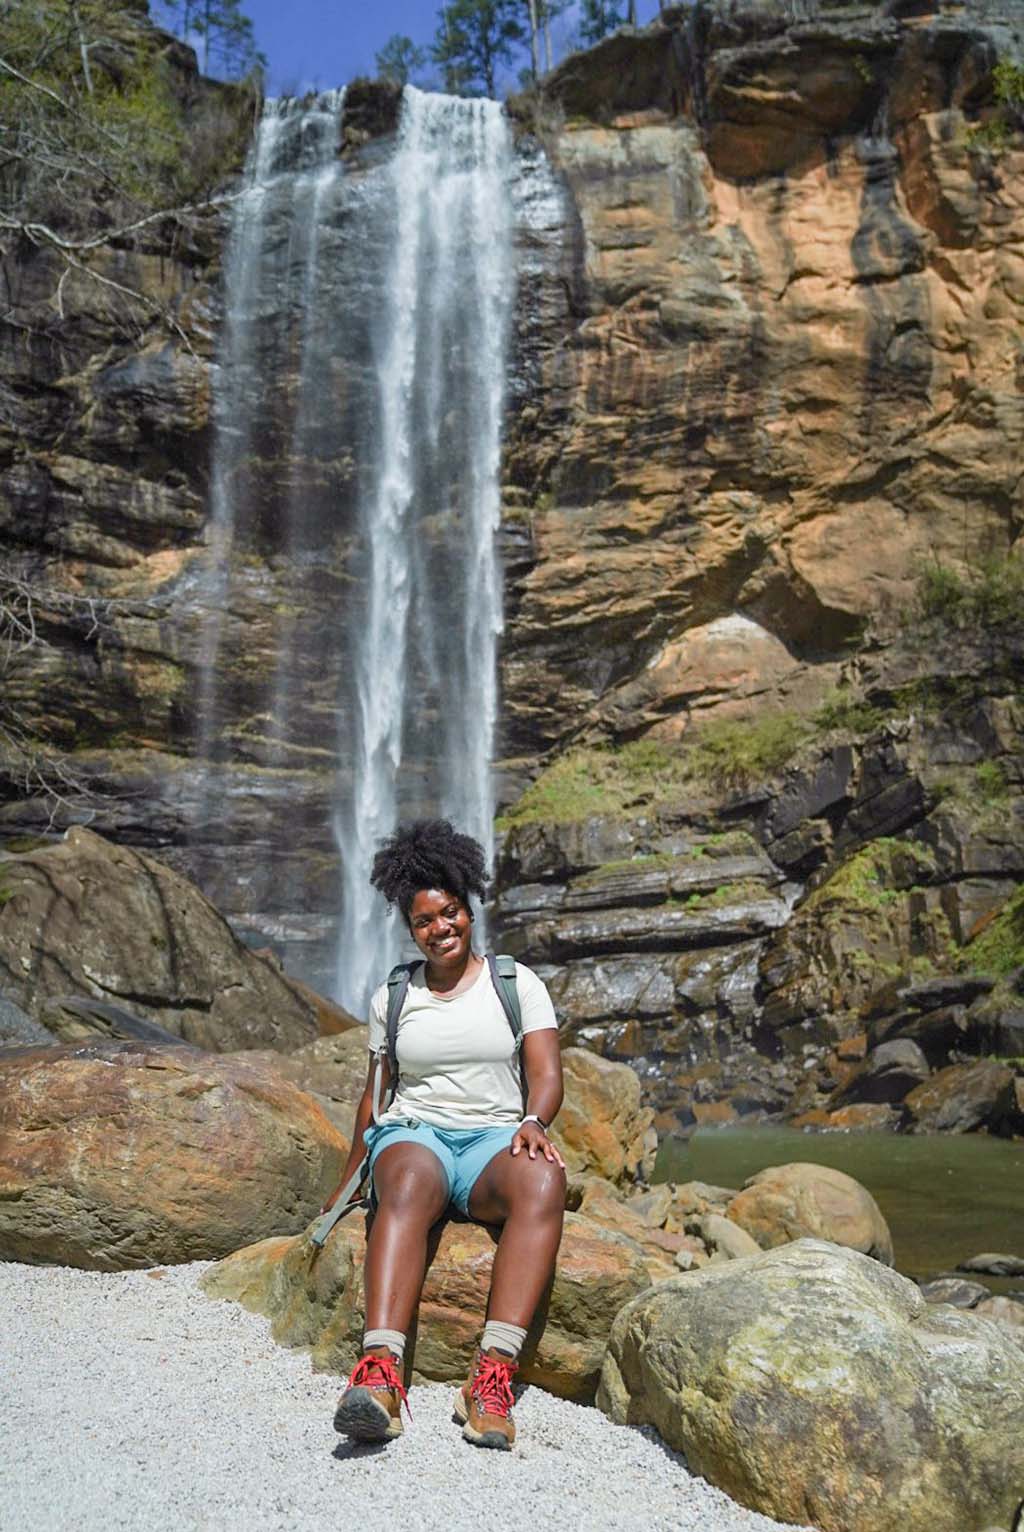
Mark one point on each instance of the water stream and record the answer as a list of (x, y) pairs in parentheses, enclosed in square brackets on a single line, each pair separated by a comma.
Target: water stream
[(355, 593)]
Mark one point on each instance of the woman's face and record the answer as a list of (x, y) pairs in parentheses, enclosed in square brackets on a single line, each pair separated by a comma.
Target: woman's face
[(441, 927)]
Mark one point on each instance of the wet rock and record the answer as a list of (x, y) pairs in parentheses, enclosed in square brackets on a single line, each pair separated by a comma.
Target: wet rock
[(756, 1369), (788, 1202), (955, 1290), (115, 1156), (963, 1099), (887, 1074), (18, 1030), (862, 1117), (658, 929), (992, 1264), (108, 922), (315, 1300)]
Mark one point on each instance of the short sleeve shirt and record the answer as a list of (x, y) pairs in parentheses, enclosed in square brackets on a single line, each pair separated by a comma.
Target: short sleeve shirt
[(458, 1065)]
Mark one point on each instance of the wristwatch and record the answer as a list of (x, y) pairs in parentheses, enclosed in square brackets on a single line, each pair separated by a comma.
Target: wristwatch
[(532, 1117)]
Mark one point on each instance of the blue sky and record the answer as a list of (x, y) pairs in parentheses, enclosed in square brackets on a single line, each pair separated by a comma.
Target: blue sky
[(315, 44)]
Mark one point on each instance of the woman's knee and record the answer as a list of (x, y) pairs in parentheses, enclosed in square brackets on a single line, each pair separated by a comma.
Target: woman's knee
[(414, 1187), (539, 1189)]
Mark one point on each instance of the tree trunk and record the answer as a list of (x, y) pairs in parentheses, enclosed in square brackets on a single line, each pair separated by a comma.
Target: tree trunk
[(207, 17), (631, 13), (547, 36), (83, 49), (534, 41)]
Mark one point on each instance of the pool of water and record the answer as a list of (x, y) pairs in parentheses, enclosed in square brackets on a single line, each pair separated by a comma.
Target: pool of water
[(944, 1198)]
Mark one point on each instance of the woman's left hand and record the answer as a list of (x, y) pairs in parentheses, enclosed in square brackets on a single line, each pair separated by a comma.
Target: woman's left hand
[(531, 1137)]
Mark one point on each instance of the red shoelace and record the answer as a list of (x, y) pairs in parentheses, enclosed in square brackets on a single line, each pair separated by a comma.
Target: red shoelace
[(492, 1385), (379, 1372)]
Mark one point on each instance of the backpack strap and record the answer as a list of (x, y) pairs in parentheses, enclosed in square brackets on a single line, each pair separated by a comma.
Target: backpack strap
[(398, 988), (503, 977)]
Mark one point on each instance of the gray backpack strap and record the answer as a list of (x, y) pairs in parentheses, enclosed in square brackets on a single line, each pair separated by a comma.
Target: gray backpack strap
[(398, 988), (347, 1203), (503, 977)]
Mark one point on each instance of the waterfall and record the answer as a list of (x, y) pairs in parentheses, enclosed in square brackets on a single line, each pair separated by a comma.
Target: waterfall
[(292, 167), (348, 659), (424, 656)]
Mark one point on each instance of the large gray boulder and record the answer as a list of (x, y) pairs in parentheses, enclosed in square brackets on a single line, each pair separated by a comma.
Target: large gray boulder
[(815, 1385), (82, 916)]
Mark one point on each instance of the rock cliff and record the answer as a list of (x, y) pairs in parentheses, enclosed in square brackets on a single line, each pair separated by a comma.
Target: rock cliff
[(764, 365)]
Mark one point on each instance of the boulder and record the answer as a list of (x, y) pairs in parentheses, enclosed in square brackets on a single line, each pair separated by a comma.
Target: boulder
[(964, 1098), (1006, 1312), (100, 920), (331, 1069), (787, 1202), (726, 1238), (993, 1264), (315, 1300), (603, 1204), (955, 1290), (886, 1075), (603, 1127), (18, 1030), (815, 1385), (114, 1156)]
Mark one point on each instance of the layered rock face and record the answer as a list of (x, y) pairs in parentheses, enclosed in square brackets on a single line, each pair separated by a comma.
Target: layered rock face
[(762, 363), (787, 375)]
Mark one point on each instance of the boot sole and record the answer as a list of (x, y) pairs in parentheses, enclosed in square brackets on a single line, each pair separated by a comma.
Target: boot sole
[(360, 1416), (495, 1439)]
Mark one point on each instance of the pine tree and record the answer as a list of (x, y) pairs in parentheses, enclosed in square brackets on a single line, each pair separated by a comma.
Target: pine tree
[(599, 17), (474, 39), (400, 59)]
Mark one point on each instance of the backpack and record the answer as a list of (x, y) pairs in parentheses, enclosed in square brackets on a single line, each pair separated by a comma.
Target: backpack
[(503, 977)]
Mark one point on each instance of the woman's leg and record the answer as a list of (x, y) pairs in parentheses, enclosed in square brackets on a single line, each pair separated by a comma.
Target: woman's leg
[(526, 1197), (412, 1193)]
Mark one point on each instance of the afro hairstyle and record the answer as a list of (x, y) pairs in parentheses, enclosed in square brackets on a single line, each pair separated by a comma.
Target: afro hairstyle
[(430, 853)]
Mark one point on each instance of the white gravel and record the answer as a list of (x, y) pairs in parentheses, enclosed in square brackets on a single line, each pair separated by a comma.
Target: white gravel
[(133, 1401)]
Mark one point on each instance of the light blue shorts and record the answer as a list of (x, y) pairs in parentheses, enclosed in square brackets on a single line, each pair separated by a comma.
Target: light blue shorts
[(464, 1152)]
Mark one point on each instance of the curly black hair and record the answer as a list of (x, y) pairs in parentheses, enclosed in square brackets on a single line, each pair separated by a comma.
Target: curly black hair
[(430, 853)]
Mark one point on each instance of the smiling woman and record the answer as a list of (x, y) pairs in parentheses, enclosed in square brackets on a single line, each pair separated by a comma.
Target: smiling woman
[(474, 1074)]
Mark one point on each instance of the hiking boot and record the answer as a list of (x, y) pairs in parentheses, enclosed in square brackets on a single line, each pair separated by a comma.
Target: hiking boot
[(484, 1402), (370, 1409)]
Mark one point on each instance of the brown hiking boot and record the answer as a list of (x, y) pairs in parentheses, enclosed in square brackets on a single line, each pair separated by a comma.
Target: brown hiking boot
[(370, 1409), (484, 1402)]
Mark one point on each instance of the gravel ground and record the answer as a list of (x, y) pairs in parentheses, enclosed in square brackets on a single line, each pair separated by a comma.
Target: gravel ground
[(133, 1401)]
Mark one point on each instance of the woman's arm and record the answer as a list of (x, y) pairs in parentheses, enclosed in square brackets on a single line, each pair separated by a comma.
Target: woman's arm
[(364, 1115), (542, 1065)]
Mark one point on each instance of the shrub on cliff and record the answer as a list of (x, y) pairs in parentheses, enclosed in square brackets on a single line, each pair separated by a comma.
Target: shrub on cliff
[(105, 123)]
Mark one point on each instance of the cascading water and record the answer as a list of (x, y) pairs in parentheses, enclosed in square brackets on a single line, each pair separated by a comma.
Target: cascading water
[(424, 658), (349, 657)]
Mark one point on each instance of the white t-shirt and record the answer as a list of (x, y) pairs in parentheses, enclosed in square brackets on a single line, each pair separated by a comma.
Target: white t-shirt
[(458, 1066)]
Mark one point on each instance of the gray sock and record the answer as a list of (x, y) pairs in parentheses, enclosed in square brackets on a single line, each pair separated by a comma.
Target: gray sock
[(503, 1337), (393, 1339)]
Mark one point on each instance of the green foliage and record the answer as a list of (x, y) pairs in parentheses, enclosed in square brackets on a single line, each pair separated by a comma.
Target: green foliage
[(991, 784), (844, 711), (987, 596), (876, 876), (645, 773), (999, 949), (591, 780), (93, 130), (737, 754), (597, 19), (224, 33), (997, 131), (474, 39), (400, 59)]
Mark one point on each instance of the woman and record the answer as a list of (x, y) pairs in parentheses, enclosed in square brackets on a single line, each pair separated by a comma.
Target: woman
[(457, 1133)]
